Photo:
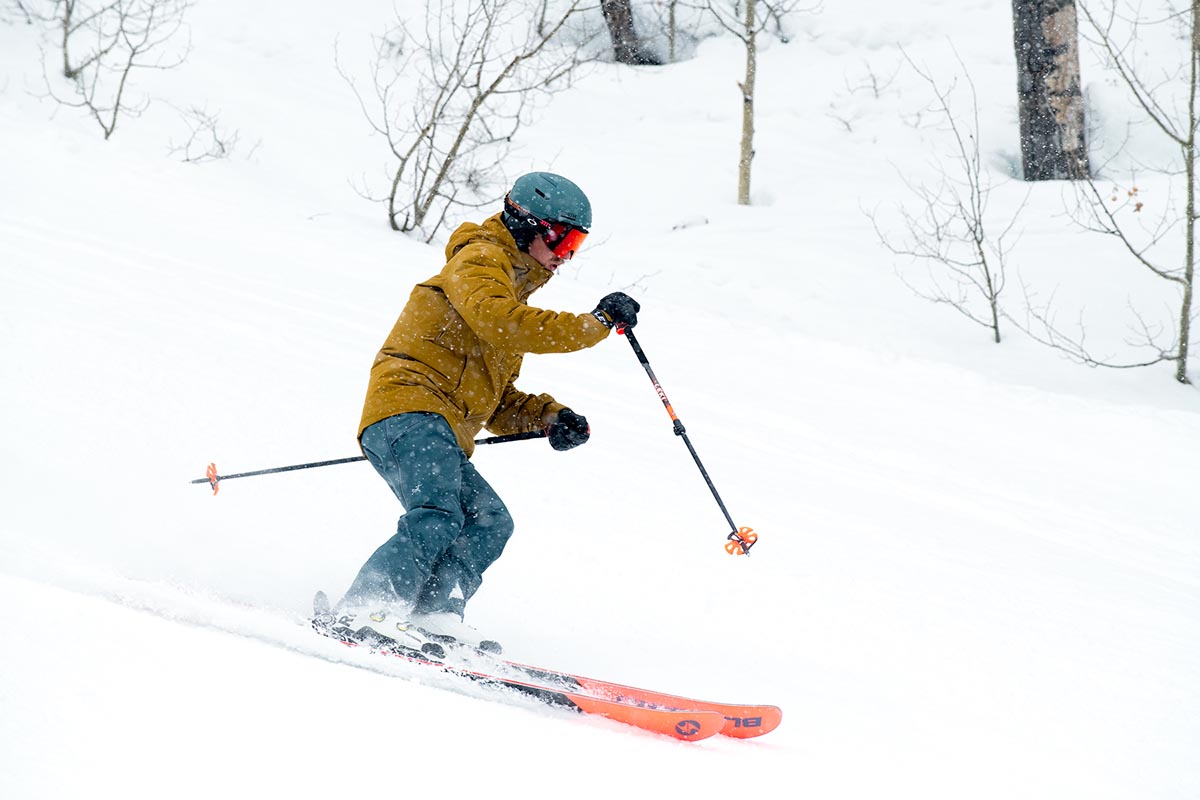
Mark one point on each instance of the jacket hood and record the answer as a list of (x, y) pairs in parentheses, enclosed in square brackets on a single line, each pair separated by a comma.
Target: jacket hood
[(494, 231), (527, 271)]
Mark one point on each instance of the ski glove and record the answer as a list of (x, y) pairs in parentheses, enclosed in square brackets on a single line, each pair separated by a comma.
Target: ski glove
[(569, 430), (617, 308)]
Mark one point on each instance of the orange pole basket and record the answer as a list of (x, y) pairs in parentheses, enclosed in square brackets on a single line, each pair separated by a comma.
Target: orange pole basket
[(741, 541)]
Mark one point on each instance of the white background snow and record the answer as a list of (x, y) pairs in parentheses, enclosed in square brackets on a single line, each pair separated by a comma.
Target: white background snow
[(979, 571)]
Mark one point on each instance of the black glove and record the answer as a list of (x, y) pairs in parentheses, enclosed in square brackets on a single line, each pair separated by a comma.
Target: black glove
[(617, 308), (569, 430)]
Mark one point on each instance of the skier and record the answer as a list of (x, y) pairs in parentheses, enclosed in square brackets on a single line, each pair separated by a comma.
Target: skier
[(446, 371)]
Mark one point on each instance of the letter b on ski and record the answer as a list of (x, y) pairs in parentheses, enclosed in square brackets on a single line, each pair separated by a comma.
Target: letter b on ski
[(746, 722)]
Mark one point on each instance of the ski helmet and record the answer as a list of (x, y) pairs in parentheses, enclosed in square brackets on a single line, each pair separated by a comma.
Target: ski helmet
[(550, 206)]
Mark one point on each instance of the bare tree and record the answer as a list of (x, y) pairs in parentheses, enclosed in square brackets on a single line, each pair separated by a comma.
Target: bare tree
[(1046, 41), (478, 71), (1168, 100), (18, 6), (104, 43), (77, 21), (207, 140), (672, 25), (682, 23), (627, 48), (747, 20), (872, 82), (847, 108), (947, 230)]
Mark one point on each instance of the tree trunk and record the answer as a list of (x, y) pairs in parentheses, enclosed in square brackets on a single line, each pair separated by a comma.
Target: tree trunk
[(619, 16), (671, 30), (1189, 267), (1046, 41), (747, 87), (1189, 155)]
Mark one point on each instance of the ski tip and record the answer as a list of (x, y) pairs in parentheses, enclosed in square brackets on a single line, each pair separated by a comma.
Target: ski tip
[(752, 721)]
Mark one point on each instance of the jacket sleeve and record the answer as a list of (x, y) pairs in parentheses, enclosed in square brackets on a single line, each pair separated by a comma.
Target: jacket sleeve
[(519, 412), (480, 286)]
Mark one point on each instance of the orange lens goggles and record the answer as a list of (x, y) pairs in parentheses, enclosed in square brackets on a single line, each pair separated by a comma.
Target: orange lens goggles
[(564, 239)]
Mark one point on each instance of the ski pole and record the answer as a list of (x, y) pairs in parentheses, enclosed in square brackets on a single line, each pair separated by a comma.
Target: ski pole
[(212, 478), (740, 539)]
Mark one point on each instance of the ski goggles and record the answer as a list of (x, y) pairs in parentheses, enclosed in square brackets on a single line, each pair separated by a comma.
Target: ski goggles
[(563, 239)]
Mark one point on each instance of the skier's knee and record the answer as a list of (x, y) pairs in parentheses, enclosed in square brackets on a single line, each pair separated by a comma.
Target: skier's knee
[(499, 524)]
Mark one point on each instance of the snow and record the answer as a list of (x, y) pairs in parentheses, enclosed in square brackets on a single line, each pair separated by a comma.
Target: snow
[(978, 567)]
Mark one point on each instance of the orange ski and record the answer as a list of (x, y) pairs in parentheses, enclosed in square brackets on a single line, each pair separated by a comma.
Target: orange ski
[(689, 725), (738, 721), (671, 715), (741, 721)]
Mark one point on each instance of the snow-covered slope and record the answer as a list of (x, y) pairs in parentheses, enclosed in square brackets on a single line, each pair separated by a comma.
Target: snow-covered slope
[(978, 568)]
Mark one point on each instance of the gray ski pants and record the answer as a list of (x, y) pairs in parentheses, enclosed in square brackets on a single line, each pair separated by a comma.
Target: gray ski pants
[(454, 528)]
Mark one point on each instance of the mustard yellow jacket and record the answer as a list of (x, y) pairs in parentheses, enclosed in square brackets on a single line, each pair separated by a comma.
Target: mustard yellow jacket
[(457, 347)]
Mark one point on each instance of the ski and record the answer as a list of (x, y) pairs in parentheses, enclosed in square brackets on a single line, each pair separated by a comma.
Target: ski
[(740, 721), (682, 717), (689, 725)]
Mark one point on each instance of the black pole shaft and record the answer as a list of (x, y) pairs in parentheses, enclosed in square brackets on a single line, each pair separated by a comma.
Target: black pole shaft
[(511, 437), (680, 431), (273, 470), (515, 437)]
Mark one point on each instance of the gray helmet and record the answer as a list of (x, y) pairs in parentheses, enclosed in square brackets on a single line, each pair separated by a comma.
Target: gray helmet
[(539, 199)]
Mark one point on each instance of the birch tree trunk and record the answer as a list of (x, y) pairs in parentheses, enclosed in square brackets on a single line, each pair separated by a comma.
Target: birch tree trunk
[(1046, 41), (747, 87), (1189, 156)]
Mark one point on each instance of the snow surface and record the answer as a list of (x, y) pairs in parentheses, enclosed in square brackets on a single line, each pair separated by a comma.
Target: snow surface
[(979, 572)]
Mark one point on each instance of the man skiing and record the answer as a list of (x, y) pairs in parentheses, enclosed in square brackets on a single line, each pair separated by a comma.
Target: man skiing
[(445, 372)]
